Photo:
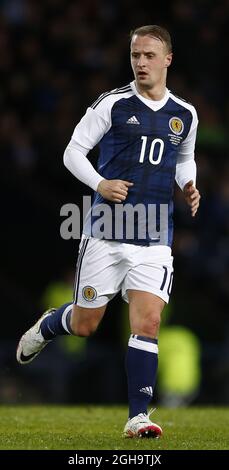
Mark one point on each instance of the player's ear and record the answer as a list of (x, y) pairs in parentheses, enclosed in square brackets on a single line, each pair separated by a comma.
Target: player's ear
[(168, 59)]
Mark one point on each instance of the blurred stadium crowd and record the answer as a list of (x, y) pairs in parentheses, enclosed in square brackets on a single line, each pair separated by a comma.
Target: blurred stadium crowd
[(56, 57)]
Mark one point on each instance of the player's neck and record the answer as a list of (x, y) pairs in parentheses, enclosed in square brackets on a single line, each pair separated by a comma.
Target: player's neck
[(156, 93)]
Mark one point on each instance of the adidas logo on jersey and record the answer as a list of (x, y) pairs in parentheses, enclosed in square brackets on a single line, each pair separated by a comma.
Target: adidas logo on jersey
[(132, 120), (147, 390)]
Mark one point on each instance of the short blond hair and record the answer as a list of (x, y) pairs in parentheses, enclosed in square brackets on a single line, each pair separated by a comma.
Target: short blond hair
[(154, 31)]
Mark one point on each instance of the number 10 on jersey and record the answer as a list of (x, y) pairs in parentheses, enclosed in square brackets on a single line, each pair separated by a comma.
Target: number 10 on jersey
[(151, 152)]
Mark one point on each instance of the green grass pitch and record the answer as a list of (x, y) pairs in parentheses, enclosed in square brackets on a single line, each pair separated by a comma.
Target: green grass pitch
[(96, 427)]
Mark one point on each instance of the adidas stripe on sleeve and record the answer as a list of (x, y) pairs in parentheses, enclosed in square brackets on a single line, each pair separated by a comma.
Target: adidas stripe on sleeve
[(97, 120)]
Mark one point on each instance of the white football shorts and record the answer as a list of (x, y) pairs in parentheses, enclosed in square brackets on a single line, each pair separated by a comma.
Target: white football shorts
[(106, 267)]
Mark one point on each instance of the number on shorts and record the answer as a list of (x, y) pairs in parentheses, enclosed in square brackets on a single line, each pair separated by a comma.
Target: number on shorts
[(165, 279)]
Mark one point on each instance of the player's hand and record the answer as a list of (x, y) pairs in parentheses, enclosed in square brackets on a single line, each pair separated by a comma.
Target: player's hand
[(114, 190), (192, 197)]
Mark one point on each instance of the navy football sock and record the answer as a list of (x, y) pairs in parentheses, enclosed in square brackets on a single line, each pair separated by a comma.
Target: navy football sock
[(58, 323), (141, 365)]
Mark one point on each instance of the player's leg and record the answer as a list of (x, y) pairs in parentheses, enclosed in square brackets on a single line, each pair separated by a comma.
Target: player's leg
[(95, 285), (56, 322), (72, 319), (147, 288), (144, 312), (84, 321), (142, 361)]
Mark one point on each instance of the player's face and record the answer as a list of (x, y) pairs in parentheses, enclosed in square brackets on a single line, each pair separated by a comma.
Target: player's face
[(149, 61)]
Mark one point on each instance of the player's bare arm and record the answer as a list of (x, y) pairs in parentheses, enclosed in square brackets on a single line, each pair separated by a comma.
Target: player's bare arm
[(192, 197), (114, 190)]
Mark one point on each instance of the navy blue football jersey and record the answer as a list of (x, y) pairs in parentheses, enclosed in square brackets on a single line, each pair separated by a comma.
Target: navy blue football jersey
[(141, 141)]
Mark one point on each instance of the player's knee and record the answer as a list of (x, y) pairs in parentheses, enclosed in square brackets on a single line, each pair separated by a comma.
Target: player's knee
[(151, 328), (83, 329), (148, 325)]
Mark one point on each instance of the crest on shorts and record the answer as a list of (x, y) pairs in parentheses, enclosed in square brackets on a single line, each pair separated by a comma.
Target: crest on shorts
[(89, 293), (176, 125)]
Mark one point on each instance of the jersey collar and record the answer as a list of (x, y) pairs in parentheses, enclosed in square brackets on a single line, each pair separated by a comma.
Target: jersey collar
[(154, 105)]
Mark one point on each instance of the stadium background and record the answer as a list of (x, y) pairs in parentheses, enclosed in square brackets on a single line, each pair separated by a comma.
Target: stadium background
[(56, 57)]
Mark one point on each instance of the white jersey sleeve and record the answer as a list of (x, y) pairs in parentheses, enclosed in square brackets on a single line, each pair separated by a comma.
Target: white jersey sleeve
[(186, 166), (87, 134), (90, 130), (186, 172), (76, 161), (97, 120)]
